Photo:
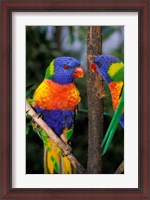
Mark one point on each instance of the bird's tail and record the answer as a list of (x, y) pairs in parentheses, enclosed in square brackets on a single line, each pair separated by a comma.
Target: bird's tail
[(55, 162)]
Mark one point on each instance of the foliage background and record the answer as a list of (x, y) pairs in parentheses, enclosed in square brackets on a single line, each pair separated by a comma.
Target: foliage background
[(43, 44)]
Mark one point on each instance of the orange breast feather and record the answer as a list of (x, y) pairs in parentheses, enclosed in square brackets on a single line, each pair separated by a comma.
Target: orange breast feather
[(53, 96), (115, 89)]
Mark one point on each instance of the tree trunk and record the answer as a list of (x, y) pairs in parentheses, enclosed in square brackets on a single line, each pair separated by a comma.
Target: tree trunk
[(95, 107)]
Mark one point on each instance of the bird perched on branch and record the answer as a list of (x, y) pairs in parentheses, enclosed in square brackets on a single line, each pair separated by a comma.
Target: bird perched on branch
[(112, 70), (56, 101)]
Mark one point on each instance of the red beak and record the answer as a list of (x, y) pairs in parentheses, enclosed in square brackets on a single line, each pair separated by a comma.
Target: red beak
[(93, 67), (78, 72)]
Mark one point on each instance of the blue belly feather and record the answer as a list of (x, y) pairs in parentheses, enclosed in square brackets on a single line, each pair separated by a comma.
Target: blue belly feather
[(57, 120), (122, 120)]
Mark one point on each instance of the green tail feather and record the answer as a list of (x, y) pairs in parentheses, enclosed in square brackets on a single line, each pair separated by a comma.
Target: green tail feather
[(113, 125), (54, 161)]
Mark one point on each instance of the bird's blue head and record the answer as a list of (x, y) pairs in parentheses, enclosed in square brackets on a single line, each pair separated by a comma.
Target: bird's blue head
[(101, 65), (62, 70)]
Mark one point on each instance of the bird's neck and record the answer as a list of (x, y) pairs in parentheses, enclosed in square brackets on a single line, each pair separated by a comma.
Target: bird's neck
[(58, 80), (116, 72), (107, 79)]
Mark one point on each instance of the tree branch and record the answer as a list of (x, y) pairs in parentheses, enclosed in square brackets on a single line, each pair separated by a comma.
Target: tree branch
[(95, 107), (120, 169), (64, 147)]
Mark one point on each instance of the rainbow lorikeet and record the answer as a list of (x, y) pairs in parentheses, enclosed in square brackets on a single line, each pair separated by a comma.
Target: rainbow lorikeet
[(112, 70), (56, 100)]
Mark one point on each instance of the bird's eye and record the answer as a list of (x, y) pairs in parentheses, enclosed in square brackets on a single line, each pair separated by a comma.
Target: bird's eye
[(99, 63), (66, 67)]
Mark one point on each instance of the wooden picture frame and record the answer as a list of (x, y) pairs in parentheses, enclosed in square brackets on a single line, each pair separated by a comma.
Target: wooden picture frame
[(7, 7)]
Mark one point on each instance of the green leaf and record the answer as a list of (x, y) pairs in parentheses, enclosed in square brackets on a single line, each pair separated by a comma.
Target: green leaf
[(28, 116), (29, 86), (29, 89), (82, 110), (27, 130), (28, 93)]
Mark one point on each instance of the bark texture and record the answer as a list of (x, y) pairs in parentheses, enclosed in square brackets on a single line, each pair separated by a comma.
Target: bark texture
[(120, 169), (95, 92)]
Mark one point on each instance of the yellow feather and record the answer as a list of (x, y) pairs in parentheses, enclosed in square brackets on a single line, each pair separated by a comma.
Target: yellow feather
[(114, 68), (53, 161), (56, 163), (52, 68), (50, 164), (66, 166)]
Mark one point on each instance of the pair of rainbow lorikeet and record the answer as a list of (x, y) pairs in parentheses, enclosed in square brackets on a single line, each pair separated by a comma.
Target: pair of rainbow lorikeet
[(56, 100)]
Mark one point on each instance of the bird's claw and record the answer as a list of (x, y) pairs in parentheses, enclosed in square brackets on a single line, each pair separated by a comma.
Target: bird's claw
[(67, 151)]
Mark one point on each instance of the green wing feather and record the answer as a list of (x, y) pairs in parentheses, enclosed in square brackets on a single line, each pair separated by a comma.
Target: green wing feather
[(113, 125)]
